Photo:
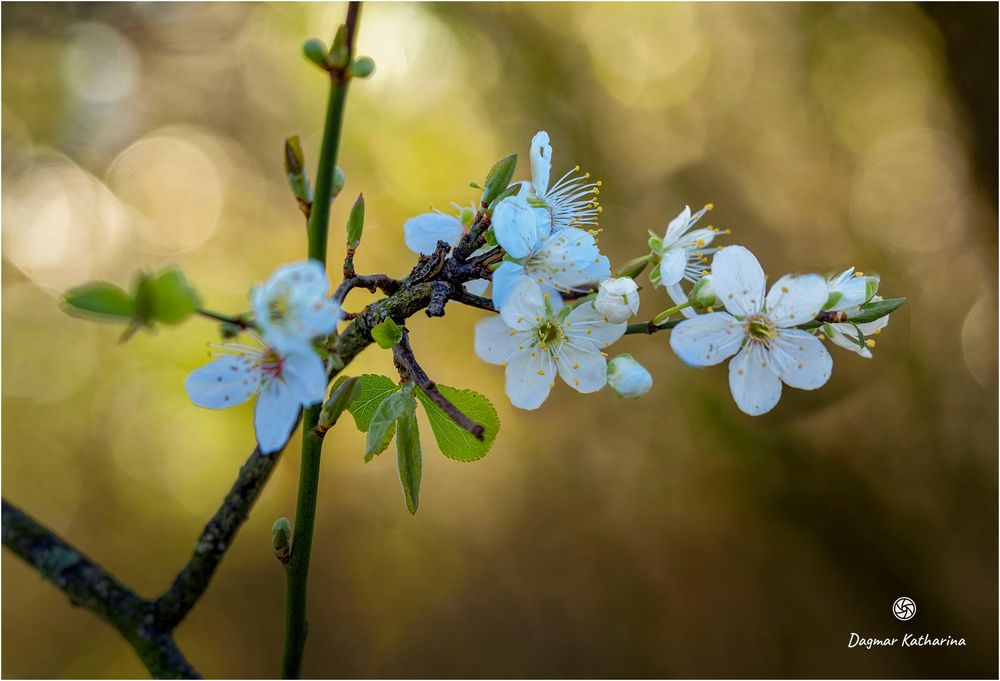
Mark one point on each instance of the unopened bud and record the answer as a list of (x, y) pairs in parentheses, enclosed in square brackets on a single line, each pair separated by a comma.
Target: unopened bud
[(362, 67), (339, 53), (628, 378), (228, 330), (633, 268), (338, 182), (617, 299), (344, 392), (356, 222), (703, 294), (315, 51), (281, 539)]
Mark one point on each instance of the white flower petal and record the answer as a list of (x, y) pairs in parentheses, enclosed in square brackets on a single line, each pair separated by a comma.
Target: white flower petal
[(541, 162), (707, 339), (846, 336), (870, 328), (696, 239), (800, 360), (496, 342), (672, 266), (514, 226), (477, 287), (505, 279), (795, 300), (853, 290), (305, 375), (524, 307), (677, 226), (738, 280), (585, 325), (224, 382), (530, 374), (582, 367), (291, 308), (422, 232), (274, 416), (754, 385)]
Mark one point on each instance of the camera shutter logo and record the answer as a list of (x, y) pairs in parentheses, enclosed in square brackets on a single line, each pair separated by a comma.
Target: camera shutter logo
[(904, 608)]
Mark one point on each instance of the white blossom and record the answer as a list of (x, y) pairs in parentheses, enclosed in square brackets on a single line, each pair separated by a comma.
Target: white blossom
[(847, 291), (292, 308), (759, 331), (536, 339), (683, 254), (618, 299), (563, 262), (628, 378), (571, 201), (285, 381)]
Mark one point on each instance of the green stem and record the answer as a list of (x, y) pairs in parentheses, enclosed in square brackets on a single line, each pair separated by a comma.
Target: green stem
[(312, 442), (296, 627), (666, 313)]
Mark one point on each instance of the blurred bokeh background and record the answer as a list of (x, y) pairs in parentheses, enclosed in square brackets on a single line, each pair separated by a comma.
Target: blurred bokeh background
[(671, 536)]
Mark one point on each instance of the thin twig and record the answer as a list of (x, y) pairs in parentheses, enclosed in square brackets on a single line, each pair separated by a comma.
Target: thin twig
[(402, 354), (651, 328), (89, 586), (372, 282), (215, 539), (239, 321)]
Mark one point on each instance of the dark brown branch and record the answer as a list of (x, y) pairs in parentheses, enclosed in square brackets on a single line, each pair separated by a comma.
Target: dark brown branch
[(441, 293), (460, 295), (407, 365), (475, 237), (214, 540), (372, 282), (89, 586)]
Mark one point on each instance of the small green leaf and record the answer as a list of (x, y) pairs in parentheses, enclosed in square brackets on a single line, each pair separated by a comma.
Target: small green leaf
[(833, 299), (409, 459), (362, 67), (345, 391), (508, 192), (454, 441), (386, 334), (383, 422), (167, 298), (356, 222), (633, 268), (101, 301), (871, 287), (338, 183), (339, 52), (869, 312), (498, 178), (372, 390), (298, 179)]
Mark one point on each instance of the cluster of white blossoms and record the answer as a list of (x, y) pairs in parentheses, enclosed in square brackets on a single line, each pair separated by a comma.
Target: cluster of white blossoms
[(549, 326), (280, 363)]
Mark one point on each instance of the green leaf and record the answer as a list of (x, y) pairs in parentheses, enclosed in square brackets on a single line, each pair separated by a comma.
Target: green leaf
[(498, 178), (871, 287), (356, 222), (372, 390), (869, 312), (383, 421), (509, 191), (387, 334), (101, 301), (344, 392), (833, 299), (454, 441), (409, 459), (167, 298)]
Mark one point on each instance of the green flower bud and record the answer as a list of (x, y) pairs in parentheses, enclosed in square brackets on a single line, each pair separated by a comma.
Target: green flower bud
[(338, 183), (315, 51), (633, 268), (281, 539), (362, 67), (703, 295)]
